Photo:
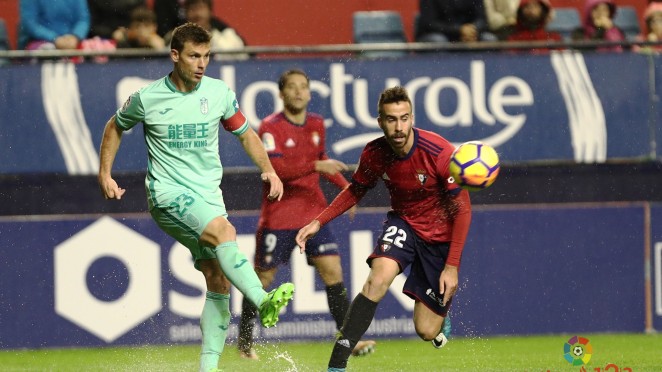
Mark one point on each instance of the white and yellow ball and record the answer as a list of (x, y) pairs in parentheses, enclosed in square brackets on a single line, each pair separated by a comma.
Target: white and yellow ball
[(474, 165)]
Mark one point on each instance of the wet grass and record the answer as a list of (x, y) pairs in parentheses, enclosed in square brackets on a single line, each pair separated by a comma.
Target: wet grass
[(638, 352)]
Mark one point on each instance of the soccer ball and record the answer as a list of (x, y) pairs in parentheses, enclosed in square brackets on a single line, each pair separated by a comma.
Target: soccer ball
[(578, 351), (474, 165)]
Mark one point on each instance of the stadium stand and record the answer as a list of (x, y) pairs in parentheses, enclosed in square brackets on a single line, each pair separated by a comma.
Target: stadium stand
[(627, 20), (565, 21), (379, 26)]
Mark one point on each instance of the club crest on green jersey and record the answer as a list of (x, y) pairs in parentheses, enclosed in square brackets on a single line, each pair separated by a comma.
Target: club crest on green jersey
[(204, 106)]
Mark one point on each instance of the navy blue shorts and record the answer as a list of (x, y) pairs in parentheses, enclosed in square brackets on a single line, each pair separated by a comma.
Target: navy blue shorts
[(400, 243), (274, 247)]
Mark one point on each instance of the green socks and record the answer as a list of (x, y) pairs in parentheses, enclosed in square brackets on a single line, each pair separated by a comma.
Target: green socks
[(214, 323), (240, 272)]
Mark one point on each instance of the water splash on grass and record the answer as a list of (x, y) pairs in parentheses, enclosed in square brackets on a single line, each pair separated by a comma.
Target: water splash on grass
[(286, 356)]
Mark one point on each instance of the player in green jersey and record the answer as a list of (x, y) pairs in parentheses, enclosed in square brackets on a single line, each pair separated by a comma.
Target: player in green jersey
[(181, 114)]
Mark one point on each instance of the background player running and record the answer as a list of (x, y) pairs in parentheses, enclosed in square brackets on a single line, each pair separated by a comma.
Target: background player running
[(181, 113), (426, 228), (295, 142)]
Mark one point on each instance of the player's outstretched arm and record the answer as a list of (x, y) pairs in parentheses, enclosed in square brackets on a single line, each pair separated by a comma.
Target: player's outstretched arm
[(110, 143), (306, 233), (255, 150)]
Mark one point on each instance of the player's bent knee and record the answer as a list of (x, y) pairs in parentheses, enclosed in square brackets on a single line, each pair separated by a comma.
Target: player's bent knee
[(218, 231), (426, 328), (426, 333)]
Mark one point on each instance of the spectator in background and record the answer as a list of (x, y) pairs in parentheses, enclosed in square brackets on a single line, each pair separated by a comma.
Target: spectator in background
[(598, 24), (141, 32), (223, 37), (47, 24), (501, 16), (653, 28), (532, 17), (452, 21), (108, 16), (169, 14)]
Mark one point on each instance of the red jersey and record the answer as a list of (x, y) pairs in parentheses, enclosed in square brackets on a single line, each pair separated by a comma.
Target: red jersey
[(420, 187), (293, 150), (419, 184)]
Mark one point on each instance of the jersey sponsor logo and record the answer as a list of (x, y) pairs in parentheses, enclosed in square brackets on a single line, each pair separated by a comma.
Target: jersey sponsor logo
[(326, 247), (269, 142), (316, 138), (186, 136), (235, 104), (434, 297), (165, 111), (385, 247), (204, 106), (289, 143)]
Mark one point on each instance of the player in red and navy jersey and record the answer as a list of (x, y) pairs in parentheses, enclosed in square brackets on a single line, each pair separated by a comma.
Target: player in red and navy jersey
[(426, 227), (295, 142)]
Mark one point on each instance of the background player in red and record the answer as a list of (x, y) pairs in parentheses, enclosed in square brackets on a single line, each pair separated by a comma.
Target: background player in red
[(426, 227), (295, 142)]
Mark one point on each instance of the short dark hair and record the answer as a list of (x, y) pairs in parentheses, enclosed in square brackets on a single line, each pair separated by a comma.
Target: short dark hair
[(189, 32), (285, 75), (392, 95)]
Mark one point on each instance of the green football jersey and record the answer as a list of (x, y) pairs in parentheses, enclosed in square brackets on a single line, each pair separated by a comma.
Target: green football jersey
[(181, 132)]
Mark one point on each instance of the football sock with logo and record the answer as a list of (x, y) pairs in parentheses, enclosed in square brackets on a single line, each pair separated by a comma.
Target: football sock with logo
[(358, 319), (336, 295), (246, 325), (240, 272), (214, 323)]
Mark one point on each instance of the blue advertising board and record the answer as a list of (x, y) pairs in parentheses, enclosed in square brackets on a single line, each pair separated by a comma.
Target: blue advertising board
[(561, 106), (118, 280)]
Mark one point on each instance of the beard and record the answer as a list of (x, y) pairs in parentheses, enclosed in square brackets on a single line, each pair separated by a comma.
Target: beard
[(392, 139), (293, 109)]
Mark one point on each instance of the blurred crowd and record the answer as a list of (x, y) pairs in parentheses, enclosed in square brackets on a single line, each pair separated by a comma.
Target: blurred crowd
[(109, 25)]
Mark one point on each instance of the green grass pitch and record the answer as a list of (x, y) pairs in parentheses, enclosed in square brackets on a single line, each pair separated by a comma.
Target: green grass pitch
[(638, 352)]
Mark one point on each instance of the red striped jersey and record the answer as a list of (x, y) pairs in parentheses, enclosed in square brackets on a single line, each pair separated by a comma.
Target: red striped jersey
[(420, 187)]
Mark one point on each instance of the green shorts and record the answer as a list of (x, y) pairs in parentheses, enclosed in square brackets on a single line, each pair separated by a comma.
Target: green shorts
[(185, 217)]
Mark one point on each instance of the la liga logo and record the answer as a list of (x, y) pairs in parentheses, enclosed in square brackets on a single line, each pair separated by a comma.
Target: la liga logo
[(577, 351)]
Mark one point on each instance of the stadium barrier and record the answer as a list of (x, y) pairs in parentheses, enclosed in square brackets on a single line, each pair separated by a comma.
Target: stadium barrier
[(568, 106), (95, 280)]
